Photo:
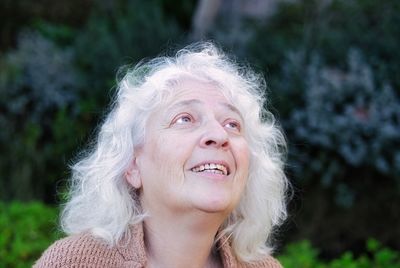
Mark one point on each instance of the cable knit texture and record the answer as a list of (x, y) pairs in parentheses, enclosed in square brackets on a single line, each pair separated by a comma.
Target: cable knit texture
[(85, 250)]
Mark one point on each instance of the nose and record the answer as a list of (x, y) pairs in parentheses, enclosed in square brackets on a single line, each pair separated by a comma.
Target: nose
[(214, 136)]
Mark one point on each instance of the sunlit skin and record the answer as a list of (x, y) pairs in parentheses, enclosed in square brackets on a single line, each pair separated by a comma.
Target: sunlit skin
[(186, 203)]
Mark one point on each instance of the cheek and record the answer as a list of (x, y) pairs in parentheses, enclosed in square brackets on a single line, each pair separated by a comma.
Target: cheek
[(243, 156), (170, 150), (166, 156)]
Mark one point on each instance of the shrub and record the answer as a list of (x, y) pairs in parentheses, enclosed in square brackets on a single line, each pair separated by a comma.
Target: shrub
[(303, 255), (39, 90), (330, 28), (17, 15), (351, 119), (55, 84), (332, 72), (300, 255), (118, 36), (26, 229)]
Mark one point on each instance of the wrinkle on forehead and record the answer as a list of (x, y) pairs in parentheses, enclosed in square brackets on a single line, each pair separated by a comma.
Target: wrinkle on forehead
[(177, 87), (196, 102), (177, 81)]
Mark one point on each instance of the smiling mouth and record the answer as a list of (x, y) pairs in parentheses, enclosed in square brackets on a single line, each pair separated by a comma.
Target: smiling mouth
[(212, 168)]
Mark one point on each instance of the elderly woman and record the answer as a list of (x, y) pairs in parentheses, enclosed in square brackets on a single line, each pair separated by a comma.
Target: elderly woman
[(186, 171)]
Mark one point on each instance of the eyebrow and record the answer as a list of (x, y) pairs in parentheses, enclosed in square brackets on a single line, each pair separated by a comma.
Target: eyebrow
[(232, 108), (198, 102)]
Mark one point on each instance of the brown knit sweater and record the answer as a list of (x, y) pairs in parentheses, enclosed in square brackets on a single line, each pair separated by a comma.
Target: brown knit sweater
[(84, 250)]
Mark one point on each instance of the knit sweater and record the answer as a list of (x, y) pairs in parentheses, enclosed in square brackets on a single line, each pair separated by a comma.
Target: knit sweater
[(85, 250)]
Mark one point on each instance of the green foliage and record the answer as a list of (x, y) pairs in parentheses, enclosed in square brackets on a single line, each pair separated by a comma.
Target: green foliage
[(26, 229), (329, 29), (61, 34), (39, 90), (55, 85), (300, 254), (18, 15), (332, 69), (350, 119), (121, 36), (303, 255)]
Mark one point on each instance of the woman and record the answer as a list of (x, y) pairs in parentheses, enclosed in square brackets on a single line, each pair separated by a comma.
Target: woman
[(186, 172)]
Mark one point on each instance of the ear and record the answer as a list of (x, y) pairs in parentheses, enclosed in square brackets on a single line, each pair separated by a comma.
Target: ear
[(132, 175)]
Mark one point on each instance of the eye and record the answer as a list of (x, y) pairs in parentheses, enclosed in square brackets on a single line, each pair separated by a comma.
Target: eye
[(234, 125), (183, 119)]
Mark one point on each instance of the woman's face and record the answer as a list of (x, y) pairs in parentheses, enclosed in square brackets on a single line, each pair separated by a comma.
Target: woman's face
[(195, 156)]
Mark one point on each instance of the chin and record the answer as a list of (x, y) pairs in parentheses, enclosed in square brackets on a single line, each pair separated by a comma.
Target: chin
[(214, 198), (219, 205)]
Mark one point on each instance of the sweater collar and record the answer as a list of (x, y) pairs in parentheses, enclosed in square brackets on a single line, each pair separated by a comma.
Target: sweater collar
[(132, 248)]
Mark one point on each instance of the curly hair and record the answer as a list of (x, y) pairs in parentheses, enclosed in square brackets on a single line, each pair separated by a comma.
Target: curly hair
[(102, 202)]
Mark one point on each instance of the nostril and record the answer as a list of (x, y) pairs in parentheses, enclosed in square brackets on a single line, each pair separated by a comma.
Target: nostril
[(215, 143), (215, 138), (210, 142)]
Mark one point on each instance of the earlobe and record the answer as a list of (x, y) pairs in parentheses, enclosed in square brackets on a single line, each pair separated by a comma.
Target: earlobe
[(132, 175)]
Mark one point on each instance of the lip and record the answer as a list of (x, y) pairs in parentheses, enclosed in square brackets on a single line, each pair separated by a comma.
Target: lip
[(218, 162)]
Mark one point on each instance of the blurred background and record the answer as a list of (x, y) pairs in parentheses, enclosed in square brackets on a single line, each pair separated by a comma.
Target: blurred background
[(332, 68)]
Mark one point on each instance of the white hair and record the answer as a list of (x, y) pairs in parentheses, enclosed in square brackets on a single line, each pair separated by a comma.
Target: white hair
[(101, 200)]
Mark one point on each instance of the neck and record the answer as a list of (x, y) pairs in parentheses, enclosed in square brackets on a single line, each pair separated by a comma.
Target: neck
[(182, 241)]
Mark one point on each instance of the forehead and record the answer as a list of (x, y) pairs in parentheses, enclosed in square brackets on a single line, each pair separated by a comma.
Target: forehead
[(191, 91)]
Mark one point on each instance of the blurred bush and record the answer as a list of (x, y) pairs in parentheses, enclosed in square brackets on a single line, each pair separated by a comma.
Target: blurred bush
[(331, 28), (332, 70), (303, 255), (117, 36), (17, 15), (350, 120), (39, 90), (55, 84), (25, 231)]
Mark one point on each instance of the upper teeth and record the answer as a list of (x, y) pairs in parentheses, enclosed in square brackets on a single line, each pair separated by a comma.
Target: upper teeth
[(217, 168)]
